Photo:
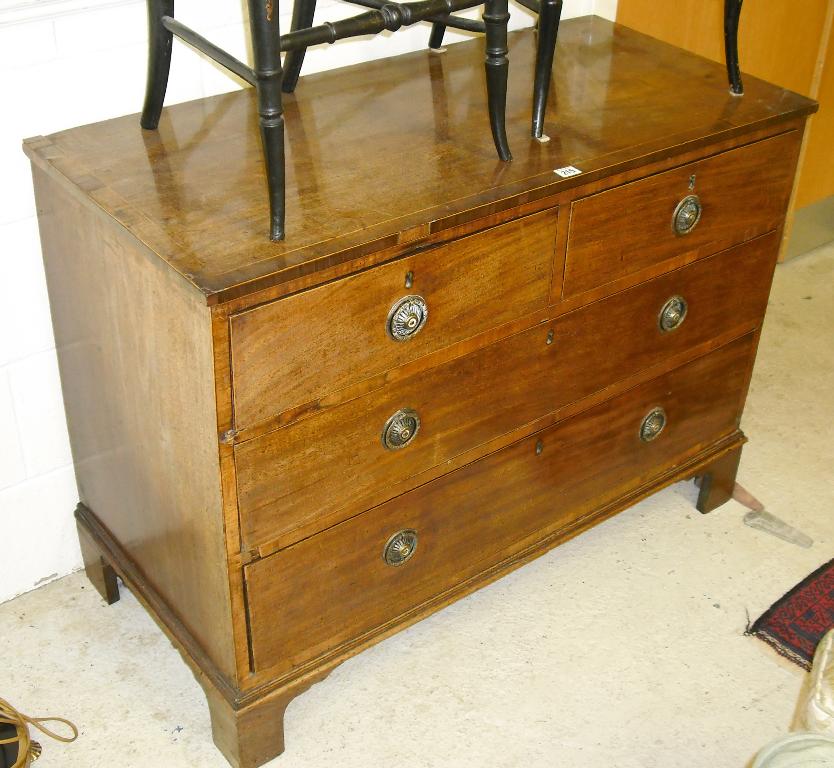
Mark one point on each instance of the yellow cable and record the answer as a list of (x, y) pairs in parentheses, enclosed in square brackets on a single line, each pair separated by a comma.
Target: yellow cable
[(28, 750)]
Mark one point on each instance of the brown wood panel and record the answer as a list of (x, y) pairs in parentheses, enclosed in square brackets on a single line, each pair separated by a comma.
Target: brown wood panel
[(297, 349), (626, 229), (472, 518), (135, 355), (536, 545), (778, 39), (194, 192), (286, 478), (816, 178), (111, 551), (781, 41), (251, 298)]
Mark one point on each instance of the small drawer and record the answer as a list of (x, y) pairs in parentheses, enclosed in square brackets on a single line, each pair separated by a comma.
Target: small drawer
[(377, 566), (697, 209), (295, 350), (347, 458)]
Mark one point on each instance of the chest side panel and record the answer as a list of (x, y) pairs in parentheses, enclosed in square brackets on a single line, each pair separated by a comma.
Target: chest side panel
[(135, 356)]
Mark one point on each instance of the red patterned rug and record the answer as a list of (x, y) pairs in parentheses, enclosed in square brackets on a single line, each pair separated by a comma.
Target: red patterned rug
[(795, 624)]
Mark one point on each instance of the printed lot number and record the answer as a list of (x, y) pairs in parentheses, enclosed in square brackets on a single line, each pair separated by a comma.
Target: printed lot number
[(567, 171)]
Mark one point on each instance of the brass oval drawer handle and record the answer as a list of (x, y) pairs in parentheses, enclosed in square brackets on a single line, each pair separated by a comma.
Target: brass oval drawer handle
[(400, 429), (652, 425), (687, 215), (672, 314), (407, 318), (400, 547)]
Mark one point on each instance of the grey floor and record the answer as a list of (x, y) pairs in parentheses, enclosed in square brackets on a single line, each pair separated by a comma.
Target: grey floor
[(624, 647)]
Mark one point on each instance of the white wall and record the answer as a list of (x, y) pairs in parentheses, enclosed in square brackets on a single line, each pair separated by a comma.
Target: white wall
[(65, 63)]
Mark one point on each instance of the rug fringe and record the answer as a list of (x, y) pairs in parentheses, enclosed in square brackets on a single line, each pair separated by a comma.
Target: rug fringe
[(777, 646)]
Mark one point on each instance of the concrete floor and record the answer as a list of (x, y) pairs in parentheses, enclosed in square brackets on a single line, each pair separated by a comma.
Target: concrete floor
[(624, 647)]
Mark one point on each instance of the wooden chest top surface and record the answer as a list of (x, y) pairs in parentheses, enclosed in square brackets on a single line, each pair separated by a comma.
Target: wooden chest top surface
[(417, 158)]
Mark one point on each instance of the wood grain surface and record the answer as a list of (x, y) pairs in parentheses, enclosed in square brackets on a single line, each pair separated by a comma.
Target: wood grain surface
[(286, 479), (816, 174), (300, 348), (471, 518), (194, 192), (629, 228), (781, 41), (778, 39), (135, 356)]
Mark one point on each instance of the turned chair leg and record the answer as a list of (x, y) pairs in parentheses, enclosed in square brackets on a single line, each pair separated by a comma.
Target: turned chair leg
[(496, 16), (718, 481), (550, 13), (436, 36), (302, 18), (732, 13), (266, 45), (160, 43)]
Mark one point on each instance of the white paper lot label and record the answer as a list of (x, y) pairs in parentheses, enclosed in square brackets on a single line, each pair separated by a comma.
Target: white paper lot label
[(567, 171)]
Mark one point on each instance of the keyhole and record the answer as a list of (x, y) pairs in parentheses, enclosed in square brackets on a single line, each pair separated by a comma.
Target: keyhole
[(409, 279), (549, 337), (692, 182), (539, 447)]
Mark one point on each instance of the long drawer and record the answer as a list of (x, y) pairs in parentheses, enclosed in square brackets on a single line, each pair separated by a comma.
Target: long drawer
[(293, 351), (286, 478), (696, 209), (388, 560)]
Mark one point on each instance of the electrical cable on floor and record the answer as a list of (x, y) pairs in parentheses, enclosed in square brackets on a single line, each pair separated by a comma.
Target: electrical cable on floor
[(28, 750)]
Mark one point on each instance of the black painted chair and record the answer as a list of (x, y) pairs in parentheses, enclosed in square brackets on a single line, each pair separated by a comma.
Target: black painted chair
[(550, 12), (545, 9), (732, 14), (269, 79)]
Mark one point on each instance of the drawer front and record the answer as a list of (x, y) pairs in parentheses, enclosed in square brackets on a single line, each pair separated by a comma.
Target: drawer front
[(327, 589), (337, 460), (295, 350), (740, 194)]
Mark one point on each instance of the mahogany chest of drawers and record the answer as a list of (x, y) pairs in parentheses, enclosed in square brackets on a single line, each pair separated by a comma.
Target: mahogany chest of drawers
[(289, 451)]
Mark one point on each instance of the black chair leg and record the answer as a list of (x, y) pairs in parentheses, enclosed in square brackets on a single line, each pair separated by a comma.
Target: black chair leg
[(436, 36), (266, 44), (550, 13), (732, 13), (496, 16), (302, 18), (160, 42)]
